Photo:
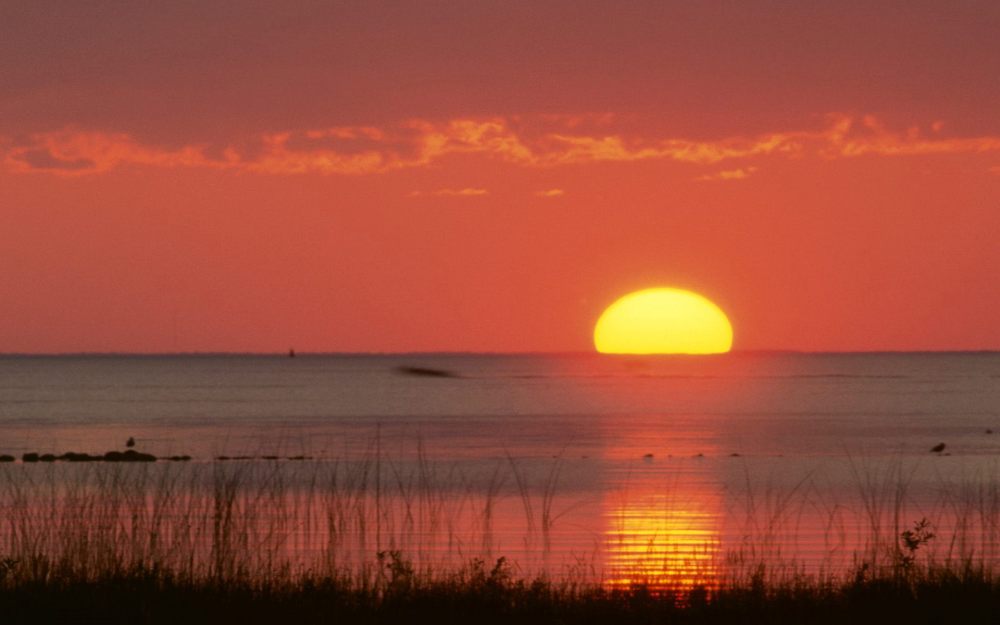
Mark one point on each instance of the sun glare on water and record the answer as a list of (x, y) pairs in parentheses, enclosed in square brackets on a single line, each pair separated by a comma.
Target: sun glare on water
[(663, 321)]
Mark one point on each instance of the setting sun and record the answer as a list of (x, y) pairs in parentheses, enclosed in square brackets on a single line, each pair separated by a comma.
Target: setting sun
[(663, 321)]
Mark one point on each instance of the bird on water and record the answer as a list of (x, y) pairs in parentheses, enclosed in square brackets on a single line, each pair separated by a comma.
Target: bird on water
[(130, 442)]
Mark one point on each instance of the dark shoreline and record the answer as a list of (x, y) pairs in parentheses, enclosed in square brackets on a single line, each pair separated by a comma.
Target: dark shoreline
[(149, 599)]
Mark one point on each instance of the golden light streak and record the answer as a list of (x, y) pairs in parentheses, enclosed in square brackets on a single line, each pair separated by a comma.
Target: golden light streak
[(730, 174), (662, 542)]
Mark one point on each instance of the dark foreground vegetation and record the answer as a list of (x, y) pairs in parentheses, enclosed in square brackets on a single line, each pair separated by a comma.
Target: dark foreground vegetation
[(299, 543), (479, 595)]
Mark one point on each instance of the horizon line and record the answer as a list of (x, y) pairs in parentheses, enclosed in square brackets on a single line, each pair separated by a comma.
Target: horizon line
[(285, 354)]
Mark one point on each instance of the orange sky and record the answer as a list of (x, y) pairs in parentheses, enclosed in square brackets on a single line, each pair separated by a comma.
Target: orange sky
[(476, 176)]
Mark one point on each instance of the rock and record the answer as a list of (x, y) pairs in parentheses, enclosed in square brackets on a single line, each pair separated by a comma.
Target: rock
[(29, 457), (128, 456), (6, 458), (178, 458), (938, 448), (72, 456), (426, 372)]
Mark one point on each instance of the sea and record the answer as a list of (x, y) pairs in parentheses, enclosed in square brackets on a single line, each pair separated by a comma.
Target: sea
[(610, 469)]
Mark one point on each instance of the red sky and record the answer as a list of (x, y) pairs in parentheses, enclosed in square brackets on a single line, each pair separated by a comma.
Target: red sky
[(458, 176)]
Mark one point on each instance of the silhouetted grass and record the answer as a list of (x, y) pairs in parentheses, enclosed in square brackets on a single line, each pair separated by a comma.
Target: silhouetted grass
[(369, 541), (149, 597)]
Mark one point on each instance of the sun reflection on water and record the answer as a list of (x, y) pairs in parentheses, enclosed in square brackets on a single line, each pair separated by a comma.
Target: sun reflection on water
[(666, 539)]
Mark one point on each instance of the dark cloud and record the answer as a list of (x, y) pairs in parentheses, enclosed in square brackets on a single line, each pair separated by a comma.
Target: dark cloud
[(44, 160)]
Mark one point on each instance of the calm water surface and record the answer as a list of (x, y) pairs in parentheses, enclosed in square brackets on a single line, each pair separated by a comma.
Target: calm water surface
[(623, 469)]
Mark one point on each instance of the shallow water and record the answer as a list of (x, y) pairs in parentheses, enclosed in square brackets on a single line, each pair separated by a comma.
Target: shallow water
[(622, 469)]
